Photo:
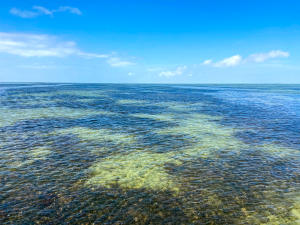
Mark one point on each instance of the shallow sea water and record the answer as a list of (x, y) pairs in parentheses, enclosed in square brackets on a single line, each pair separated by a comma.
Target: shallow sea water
[(149, 154)]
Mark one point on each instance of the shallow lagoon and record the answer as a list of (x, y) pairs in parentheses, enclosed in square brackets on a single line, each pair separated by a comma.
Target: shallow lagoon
[(149, 154)]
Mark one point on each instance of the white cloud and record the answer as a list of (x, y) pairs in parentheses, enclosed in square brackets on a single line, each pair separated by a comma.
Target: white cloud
[(35, 45), (207, 62), (229, 62), (262, 57), (117, 62), (92, 55), (40, 10), (179, 70), (43, 11), (256, 58), (23, 13), (32, 45), (69, 9)]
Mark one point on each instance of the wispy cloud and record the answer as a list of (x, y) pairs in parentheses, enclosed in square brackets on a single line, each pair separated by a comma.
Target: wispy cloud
[(40, 10), (36, 45), (92, 55), (32, 45), (117, 62), (207, 62), (23, 13), (68, 9), (171, 73), (43, 11), (262, 57), (254, 58), (229, 62)]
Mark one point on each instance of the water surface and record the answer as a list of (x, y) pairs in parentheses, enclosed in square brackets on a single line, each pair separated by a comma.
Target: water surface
[(149, 154)]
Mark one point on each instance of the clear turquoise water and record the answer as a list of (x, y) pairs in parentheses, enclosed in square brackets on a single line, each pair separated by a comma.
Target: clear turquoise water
[(149, 154)]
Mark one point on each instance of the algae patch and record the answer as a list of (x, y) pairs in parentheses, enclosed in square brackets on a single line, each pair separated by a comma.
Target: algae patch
[(205, 135), (279, 151), (131, 102), (295, 212), (145, 170), (158, 117), (40, 153), (138, 170), (11, 116), (206, 138), (76, 93), (286, 211)]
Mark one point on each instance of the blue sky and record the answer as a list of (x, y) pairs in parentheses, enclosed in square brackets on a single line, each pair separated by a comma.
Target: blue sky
[(150, 41)]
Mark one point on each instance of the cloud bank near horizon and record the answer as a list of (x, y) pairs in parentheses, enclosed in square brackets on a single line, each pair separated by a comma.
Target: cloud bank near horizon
[(41, 45)]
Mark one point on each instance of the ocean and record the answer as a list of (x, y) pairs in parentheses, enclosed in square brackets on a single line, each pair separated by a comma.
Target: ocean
[(149, 154)]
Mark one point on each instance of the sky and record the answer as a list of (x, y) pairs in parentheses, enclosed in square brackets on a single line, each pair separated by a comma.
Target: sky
[(150, 41)]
